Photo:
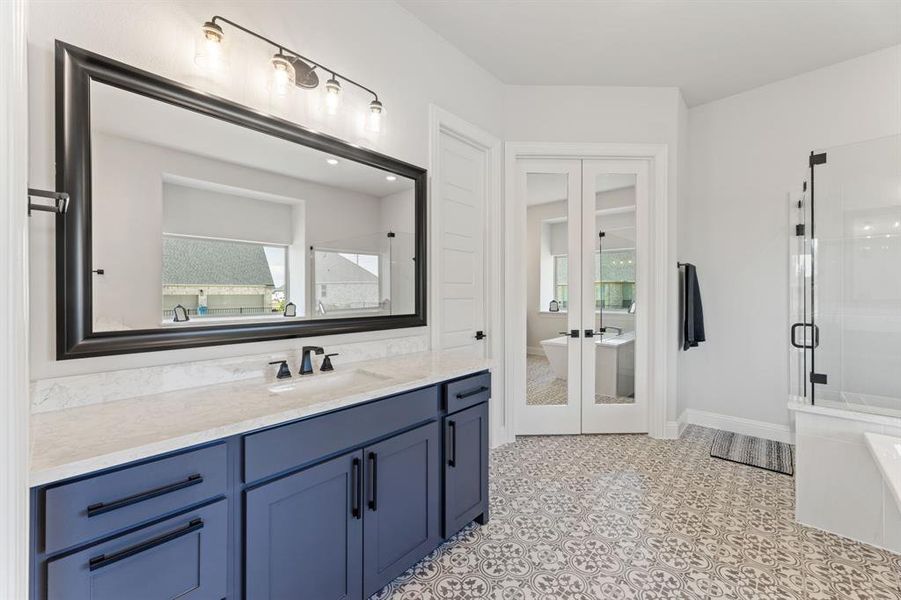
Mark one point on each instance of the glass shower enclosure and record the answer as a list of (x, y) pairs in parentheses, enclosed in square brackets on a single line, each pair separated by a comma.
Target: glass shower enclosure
[(845, 286)]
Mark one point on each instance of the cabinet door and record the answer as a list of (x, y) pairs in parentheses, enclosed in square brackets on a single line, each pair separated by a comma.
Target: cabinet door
[(303, 537), (184, 557), (465, 467), (401, 524)]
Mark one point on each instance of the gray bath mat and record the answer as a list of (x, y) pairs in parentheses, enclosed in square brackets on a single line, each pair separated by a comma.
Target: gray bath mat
[(756, 452)]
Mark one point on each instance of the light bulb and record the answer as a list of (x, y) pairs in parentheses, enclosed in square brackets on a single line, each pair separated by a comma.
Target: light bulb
[(282, 75), (374, 121), (332, 96), (209, 50)]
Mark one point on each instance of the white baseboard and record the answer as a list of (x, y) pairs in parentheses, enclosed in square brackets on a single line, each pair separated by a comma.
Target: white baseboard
[(673, 430), (761, 429)]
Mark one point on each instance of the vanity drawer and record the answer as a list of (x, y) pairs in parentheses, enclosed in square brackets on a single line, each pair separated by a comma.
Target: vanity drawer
[(185, 557), (286, 447), (98, 506), (464, 393)]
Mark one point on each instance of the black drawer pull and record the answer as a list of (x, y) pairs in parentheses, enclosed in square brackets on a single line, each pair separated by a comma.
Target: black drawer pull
[(356, 495), (475, 392), (98, 562), (373, 480), (452, 440), (104, 507)]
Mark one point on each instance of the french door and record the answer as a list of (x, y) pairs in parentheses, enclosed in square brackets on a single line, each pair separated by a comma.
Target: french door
[(584, 267)]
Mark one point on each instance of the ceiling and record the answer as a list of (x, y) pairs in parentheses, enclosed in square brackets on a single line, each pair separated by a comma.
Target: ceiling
[(710, 49)]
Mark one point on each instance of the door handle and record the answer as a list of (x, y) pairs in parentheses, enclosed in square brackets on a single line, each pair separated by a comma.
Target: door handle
[(481, 335), (373, 481), (98, 562), (104, 507), (452, 440), (571, 333), (356, 493), (816, 336)]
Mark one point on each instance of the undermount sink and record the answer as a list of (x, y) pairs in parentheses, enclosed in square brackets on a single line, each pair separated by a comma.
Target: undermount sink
[(341, 380)]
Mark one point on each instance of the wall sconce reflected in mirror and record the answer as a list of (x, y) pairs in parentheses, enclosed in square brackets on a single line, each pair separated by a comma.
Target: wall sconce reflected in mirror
[(290, 309), (180, 314)]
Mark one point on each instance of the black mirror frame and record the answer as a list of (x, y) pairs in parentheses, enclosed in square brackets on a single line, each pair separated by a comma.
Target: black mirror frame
[(75, 70)]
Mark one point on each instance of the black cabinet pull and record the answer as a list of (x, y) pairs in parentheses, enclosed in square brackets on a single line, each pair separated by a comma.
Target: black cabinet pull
[(98, 562), (356, 498), (464, 395), (104, 507), (452, 440), (373, 480)]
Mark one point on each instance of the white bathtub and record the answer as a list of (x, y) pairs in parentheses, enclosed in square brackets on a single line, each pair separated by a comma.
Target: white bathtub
[(614, 360)]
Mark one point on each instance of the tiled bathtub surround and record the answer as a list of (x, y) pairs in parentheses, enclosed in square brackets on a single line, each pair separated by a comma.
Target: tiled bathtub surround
[(81, 390), (626, 517)]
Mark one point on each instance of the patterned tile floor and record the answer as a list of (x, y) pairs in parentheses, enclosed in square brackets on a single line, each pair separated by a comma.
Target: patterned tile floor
[(625, 517), (543, 387)]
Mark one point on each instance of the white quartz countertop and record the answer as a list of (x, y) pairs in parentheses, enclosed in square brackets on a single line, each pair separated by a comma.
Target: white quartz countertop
[(886, 449), (75, 441)]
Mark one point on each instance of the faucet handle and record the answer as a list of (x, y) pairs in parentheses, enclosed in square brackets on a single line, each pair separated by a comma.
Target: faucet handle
[(327, 362), (283, 371)]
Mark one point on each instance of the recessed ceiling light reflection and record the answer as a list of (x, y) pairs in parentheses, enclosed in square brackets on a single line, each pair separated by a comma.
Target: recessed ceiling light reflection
[(332, 161), (390, 177)]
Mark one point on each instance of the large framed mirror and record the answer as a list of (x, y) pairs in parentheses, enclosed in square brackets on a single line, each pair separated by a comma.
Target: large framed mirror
[(195, 221)]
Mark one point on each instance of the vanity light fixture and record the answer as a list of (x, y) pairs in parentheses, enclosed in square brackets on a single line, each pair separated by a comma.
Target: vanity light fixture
[(332, 95), (210, 48), (282, 74), (374, 122), (290, 69)]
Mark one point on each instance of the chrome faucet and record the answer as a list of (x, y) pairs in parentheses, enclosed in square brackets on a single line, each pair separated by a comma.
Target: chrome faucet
[(306, 363)]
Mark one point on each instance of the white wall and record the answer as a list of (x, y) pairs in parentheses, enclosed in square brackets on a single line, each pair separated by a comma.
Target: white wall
[(378, 42), (747, 152), (608, 114)]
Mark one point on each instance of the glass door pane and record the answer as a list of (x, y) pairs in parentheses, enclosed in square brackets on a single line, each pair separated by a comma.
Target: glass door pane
[(856, 288), (550, 190), (612, 194)]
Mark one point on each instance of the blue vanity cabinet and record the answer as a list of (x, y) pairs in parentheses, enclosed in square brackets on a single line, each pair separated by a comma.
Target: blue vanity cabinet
[(304, 534), (330, 507), (465, 468), (182, 557), (401, 523)]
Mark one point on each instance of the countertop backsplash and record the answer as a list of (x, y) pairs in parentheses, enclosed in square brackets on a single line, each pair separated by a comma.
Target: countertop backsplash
[(81, 390)]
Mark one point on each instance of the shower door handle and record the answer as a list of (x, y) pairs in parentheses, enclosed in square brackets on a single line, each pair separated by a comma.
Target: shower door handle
[(572, 333), (794, 336)]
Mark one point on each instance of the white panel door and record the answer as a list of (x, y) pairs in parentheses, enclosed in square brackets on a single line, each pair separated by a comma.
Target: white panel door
[(459, 193), (615, 301), (550, 190)]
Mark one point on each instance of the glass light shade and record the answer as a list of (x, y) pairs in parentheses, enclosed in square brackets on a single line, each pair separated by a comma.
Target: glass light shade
[(281, 81), (210, 49), (375, 116), (332, 96)]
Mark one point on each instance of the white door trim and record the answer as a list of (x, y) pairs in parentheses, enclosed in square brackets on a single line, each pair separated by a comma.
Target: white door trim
[(442, 121), (658, 344), (14, 401)]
